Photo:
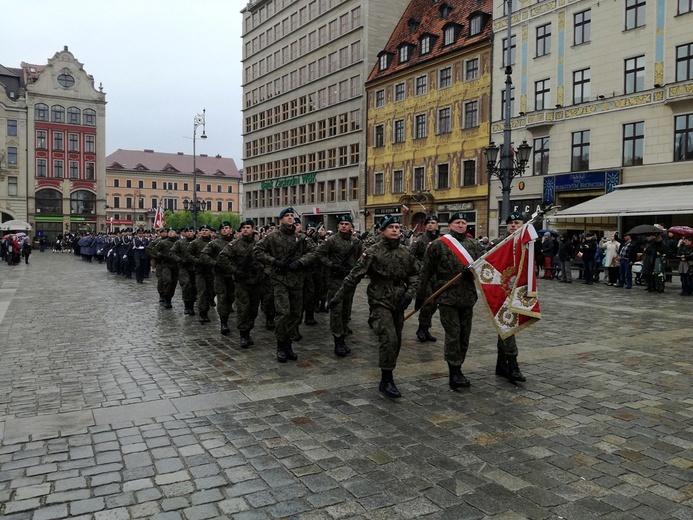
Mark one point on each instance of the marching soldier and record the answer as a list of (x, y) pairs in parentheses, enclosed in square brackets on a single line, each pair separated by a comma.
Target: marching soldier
[(441, 264), (418, 249), (237, 260), (393, 276), (139, 252), (180, 252), (163, 234), (339, 254), (166, 267), (204, 278), (223, 284), (288, 253)]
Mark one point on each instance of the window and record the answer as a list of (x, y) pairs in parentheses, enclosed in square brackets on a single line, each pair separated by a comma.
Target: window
[(419, 179), (541, 94), (73, 142), (633, 143), (450, 34), (582, 26), (89, 117), (421, 85), (685, 6), (471, 69), (420, 126), (57, 114), (635, 13), (399, 92), (398, 181), (116, 202), (425, 45), (683, 138), (11, 155), (512, 101), (684, 61), (73, 115), (543, 39), (379, 98), (154, 185), (12, 186), (116, 183), (512, 51), (398, 130), (444, 125), (49, 202), (11, 127), (634, 75), (58, 169), (41, 139), (404, 53), (379, 136), (471, 114), (41, 112), (89, 171), (469, 173), (383, 62), (581, 86), (475, 25), (89, 144), (58, 141), (74, 170), (378, 185), (229, 205), (83, 203), (65, 80), (41, 167), (541, 155), (581, 151), (443, 177), (128, 183), (445, 77)]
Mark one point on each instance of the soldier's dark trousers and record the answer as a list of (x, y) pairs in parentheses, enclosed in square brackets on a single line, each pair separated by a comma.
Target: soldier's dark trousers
[(388, 325), (340, 313), (140, 266), (507, 346), (187, 285), (247, 304), (168, 280), (288, 304), (225, 291), (204, 283), (267, 295), (457, 322)]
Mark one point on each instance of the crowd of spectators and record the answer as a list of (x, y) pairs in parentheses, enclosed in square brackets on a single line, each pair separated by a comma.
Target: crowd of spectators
[(14, 248)]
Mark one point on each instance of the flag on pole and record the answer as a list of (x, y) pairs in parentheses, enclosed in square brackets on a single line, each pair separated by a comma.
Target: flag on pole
[(159, 220), (405, 209), (316, 211), (508, 283)]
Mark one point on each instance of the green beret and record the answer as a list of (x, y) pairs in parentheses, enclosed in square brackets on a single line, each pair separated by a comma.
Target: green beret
[(248, 222), (226, 223), (345, 218), (457, 216), (515, 215), (205, 226), (285, 211), (389, 219), (431, 218)]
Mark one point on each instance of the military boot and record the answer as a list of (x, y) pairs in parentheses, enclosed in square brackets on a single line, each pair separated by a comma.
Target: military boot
[(246, 340), (310, 317), (186, 310), (281, 351), (501, 365), (514, 373), (269, 323), (204, 317), (421, 334), (224, 326), (387, 385), (340, 348), (322, 307), (429, 336), (190, 308), (167, 303), (290, 354), (457, 379)]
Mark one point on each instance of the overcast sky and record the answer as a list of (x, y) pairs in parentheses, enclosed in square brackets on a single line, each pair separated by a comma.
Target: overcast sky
[(160, 62)]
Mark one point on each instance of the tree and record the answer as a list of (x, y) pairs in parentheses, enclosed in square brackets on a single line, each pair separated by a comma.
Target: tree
[(180, 219)]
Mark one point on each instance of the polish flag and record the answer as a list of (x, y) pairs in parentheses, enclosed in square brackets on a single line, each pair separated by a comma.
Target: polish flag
[(458, 249), (405, 208), (316, 211), (159, 220)]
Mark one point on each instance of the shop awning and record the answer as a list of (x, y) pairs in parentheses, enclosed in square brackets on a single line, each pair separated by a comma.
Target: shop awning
[(661, 198)]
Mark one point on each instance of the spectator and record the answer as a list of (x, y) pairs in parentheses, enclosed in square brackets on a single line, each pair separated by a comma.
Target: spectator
[(685, 254), (26, 249), (588, 248), (611, 259), (566, 253), (627, 256)]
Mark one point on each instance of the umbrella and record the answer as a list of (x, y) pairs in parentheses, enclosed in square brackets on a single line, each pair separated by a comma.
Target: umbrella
[(645, 229), (683, 231), (553, 233)]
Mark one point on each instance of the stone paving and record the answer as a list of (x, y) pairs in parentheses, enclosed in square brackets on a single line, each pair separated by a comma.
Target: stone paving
[(114, 408)]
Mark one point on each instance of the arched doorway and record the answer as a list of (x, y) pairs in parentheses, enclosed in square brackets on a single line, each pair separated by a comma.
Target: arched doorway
[(417, 223)]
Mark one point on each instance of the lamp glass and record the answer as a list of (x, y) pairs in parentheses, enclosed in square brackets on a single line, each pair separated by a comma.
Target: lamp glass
[(523, 152), (491, 153)]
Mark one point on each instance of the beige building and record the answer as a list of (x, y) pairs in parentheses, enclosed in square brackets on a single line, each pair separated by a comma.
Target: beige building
[(305, 63), (603, 92), (13, 139), (138, 181)]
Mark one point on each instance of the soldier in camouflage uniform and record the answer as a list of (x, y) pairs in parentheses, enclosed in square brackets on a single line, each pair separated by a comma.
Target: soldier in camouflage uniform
[(163, 234), (237, 260), (456, 304), (267, 293), (166, 267), (223, 283), (204, 278), (418, 249), (506, 362), (180, 252), (339, 254), (311, 283), (393, 276), (288, 253)]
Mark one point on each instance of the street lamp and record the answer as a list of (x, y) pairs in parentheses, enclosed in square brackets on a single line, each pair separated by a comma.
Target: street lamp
[(197, 121), (138, 200), (511, 164), (194, 207)]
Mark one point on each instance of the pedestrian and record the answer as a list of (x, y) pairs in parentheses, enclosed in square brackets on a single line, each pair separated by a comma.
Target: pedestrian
[(26, 249), (611, 259), (588, 250), (418, 249), (441, 263), (627, 256), (685, 254), (566, 253), (393, 274)]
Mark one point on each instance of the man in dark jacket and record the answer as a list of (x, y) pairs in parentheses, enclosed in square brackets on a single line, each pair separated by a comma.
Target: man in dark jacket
[(566, 252), (627, 256), (588, 249)]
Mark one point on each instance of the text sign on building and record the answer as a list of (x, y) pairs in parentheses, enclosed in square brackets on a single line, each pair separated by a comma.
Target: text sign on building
[(395, 210), (462, 206), (306, 178), (602, 180)]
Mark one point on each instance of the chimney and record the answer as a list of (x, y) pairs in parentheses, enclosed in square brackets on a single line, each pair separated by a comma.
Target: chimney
[(148, 151), (203, 155), (218, 156), (181, 153)]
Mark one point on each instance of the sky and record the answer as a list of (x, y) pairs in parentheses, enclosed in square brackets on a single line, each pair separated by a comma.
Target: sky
[(161, 62)]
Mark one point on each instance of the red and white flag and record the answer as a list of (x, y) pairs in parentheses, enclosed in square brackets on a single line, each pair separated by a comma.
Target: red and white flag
[(316, 211), (458, 249), (159, 220), (508, 283)]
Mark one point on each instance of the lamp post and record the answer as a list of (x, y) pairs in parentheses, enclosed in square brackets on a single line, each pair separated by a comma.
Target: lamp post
[(137, 200), (194, 208), (511, 163), (197, 121)]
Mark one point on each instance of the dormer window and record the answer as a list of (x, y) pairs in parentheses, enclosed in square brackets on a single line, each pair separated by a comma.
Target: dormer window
[(383, 61), (445, 10), (475, 25), (404, 53), (425, 45), (450, 33), (413, 25)]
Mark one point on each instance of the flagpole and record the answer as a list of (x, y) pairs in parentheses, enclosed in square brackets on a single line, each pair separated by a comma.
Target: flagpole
[(536, 216)]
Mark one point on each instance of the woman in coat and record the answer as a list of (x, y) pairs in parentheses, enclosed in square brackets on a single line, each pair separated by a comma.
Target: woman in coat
[(611, 263)]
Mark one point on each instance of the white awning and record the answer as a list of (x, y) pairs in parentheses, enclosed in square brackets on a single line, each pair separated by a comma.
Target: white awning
[(662, 198)]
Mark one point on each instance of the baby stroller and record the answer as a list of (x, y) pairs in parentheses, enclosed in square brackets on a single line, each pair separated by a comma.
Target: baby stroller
[(637, 273)]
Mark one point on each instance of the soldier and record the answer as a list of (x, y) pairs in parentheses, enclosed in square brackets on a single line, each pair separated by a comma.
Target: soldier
[(237, 260), (163, 234), (223, 283), (204, 278), (456, 304), (166, 267), (311, 282), (288, 253), (180, 252), (418, 249), (393, 275), (506, 362), (139, 253), (339, 254)]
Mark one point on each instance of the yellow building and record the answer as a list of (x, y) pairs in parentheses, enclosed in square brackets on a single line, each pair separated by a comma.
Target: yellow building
[(428, 116)]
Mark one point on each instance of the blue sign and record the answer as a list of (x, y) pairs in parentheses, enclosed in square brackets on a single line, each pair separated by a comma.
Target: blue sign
[(604, 180)]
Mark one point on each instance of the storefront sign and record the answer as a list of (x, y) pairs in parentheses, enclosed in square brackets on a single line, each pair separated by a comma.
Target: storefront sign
[(461, 206), (306, 178), (395, 210), (603, 180)]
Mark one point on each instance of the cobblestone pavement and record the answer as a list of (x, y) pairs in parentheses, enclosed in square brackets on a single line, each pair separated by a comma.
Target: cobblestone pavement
[(114, 408)]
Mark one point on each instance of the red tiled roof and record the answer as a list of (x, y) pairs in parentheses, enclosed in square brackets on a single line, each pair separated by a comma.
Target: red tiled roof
[(428, 15), (157, 162)]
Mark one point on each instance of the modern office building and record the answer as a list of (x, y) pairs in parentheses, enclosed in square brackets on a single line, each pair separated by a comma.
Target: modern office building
[(603, 92), (428, 118), (305, 63)]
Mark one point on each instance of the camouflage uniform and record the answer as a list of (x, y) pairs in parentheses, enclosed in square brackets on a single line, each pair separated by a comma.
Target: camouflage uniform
[(426, 313), (456, 304), (204, 278), (180, 252), (223, 284), (166, 268)]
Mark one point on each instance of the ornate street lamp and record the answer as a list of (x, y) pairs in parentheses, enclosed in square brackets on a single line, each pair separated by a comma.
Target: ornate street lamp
[(195, 208), (512, 162)]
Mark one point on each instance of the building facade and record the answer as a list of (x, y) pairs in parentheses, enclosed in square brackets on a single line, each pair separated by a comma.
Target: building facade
[(139, 181), (305, 63), (428, 118), (13, 144), (603, 92)]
